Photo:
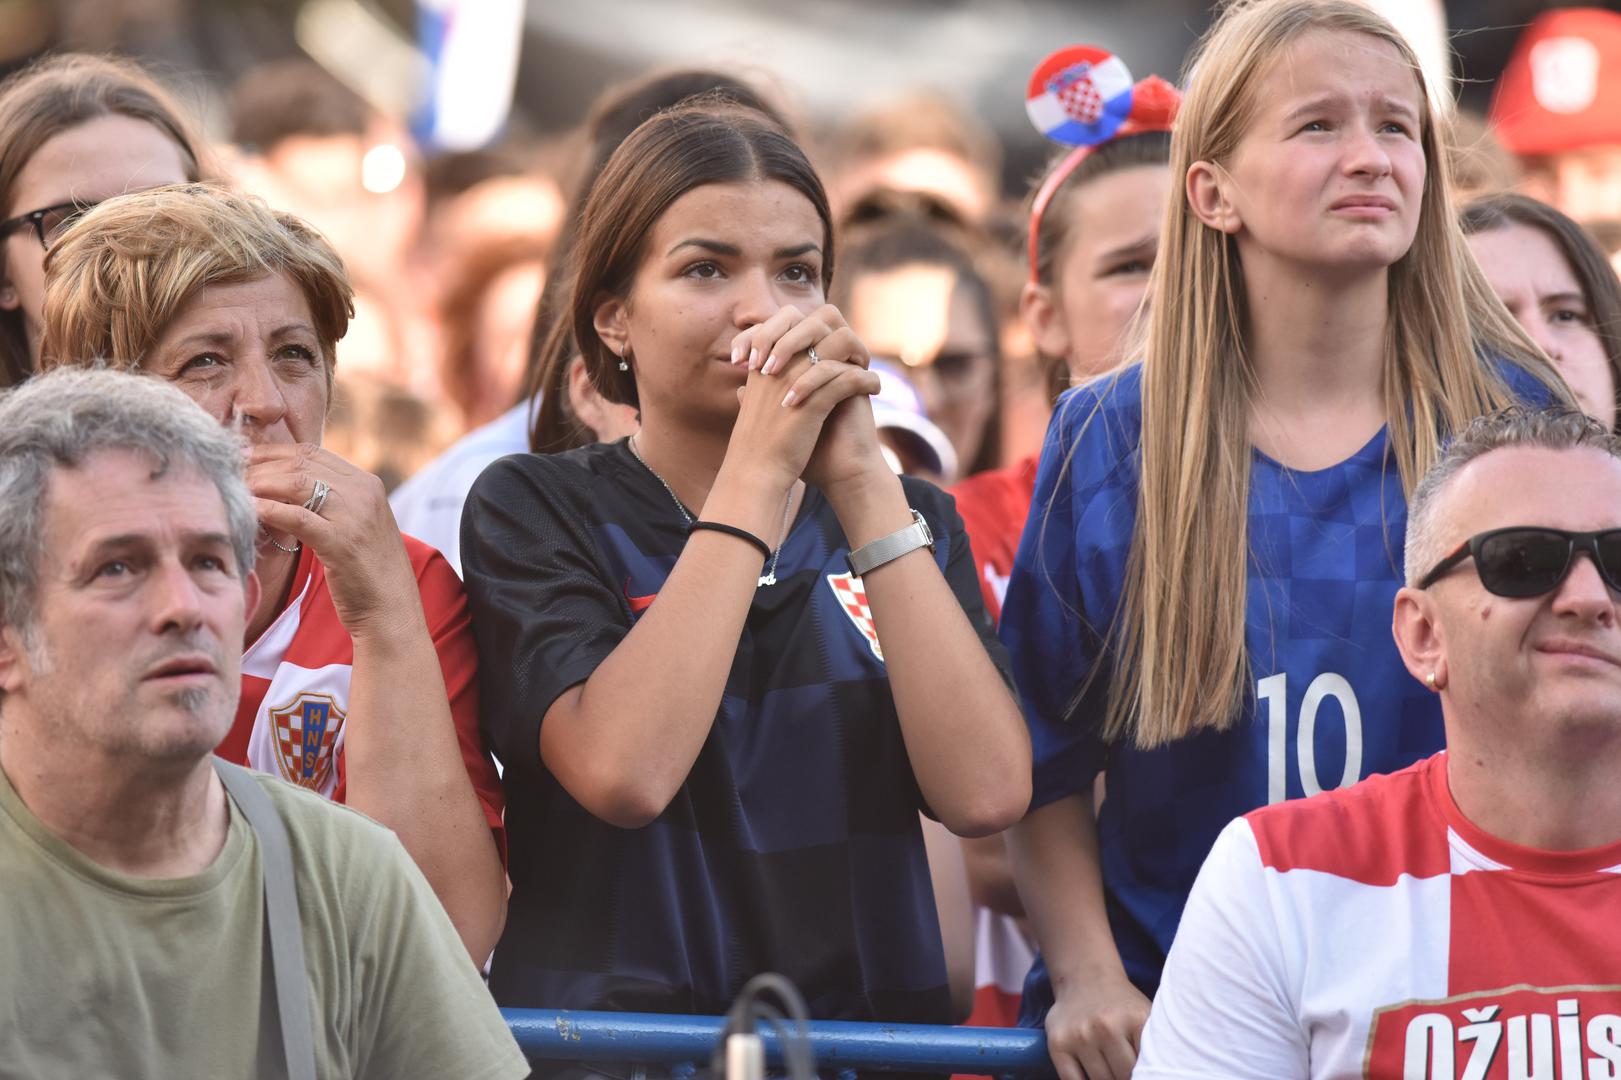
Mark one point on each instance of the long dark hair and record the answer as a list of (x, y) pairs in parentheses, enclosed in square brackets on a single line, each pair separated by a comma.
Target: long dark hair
[(676, 151), (1601, 289), (616, 115), (57, 94)]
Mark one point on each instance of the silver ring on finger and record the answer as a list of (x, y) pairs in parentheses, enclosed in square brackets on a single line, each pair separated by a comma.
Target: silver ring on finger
[(318, 499), (811, 352)]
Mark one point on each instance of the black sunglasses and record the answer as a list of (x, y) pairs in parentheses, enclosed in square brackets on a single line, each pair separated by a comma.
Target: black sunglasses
[(1528, 560), (48, 223)]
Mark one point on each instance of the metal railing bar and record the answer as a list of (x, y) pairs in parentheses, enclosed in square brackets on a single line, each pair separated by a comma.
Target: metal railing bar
[(654, 1038)]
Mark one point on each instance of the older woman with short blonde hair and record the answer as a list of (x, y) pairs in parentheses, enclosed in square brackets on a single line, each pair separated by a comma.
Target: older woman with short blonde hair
[(118, 285), (359, 676)]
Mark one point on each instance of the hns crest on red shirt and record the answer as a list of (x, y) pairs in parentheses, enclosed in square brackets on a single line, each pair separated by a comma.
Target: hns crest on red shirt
[(295, 696), (306, 733)]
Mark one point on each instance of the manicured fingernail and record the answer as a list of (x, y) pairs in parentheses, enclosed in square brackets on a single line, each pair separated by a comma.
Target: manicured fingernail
[(754, 359), (770, 365), (789, 398)]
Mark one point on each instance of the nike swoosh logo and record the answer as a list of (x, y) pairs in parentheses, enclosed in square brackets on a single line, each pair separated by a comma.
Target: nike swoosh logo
[(638, 604)]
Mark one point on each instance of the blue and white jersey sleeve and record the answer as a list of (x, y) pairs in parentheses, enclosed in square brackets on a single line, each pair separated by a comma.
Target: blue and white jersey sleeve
[(1066, 579)]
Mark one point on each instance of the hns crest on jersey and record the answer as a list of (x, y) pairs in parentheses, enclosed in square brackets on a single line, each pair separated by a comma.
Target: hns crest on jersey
[(852, 597), (1079, 95), (304, 732)]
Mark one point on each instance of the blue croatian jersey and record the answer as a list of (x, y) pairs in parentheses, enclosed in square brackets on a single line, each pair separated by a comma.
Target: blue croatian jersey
[(794, 844), (1329, 699)]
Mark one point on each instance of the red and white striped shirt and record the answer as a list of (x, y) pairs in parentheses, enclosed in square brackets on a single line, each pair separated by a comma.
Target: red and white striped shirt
[(1375, 932), (291, 718)]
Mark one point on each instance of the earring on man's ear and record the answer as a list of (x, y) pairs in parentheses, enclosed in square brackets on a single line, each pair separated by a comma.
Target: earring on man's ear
[(624, 356), (1429, 681)]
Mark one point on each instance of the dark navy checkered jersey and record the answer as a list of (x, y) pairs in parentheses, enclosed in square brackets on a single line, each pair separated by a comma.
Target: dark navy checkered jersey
[(794, 846), (1330, 701)]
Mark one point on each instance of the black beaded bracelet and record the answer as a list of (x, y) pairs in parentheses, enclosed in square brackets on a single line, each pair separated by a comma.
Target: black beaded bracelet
[(733, 530)]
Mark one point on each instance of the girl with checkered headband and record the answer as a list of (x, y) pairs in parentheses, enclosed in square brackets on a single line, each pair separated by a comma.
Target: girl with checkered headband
[(1199, 610)]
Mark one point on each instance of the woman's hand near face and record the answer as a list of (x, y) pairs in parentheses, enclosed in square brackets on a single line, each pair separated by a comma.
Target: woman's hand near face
[(405, 764), (354, 533), (818, 411)]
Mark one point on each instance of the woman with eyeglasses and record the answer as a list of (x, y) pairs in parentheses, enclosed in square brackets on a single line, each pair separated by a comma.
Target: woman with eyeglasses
[(74, 130)]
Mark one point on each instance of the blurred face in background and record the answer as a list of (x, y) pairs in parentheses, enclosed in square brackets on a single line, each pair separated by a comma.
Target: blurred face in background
[(364, 192), (493, 210), (1585, 183), (501, 338), (106, 156), (955, 181), (1101, 273), (1529, 273), (924, 316)]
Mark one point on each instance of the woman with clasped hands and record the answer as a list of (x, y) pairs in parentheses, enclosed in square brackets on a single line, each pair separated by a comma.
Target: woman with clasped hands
[(358, 675), (727, 660)]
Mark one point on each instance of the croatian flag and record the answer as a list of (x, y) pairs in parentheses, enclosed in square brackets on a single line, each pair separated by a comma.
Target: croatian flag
[(472, 48), (1079, 95)]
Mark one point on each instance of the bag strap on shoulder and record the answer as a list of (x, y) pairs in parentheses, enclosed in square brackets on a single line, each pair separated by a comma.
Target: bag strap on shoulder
[(288, 974)]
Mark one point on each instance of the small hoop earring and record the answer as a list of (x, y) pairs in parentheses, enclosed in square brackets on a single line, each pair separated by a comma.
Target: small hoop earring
[(1429, 680)]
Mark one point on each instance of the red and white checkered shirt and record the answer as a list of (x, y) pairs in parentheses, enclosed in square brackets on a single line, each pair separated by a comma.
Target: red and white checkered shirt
[(291, 718), (1375, 932)]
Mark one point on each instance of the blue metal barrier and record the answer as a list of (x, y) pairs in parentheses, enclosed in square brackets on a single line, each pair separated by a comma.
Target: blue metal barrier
[(678, 1042)]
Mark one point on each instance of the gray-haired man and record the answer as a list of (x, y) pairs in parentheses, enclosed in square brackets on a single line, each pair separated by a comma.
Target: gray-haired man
[(1457, 918), (133, 926)]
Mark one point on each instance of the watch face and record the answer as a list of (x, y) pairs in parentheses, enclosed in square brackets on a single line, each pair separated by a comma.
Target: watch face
[(928, 534)]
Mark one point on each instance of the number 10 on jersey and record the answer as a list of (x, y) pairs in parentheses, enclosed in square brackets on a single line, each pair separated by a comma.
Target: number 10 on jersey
[(1273, 693)]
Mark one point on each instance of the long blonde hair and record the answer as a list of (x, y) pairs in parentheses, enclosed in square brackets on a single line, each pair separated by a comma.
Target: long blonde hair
[(1180, 664)]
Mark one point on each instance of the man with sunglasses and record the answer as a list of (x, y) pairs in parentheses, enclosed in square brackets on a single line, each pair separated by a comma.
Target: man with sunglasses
[(1462, 917)]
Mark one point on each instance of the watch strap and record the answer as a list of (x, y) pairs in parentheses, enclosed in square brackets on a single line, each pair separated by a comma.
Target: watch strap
[(869, 557)]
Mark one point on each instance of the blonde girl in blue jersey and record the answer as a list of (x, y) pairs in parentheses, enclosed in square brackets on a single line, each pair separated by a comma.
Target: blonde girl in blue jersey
[(1317, 327)]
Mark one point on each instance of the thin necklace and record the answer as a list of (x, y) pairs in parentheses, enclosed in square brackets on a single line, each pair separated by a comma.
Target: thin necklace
[(770, 576), (294, 550)]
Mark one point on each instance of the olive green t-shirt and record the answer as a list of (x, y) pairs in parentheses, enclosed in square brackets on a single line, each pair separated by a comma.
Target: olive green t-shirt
[(107, 975)]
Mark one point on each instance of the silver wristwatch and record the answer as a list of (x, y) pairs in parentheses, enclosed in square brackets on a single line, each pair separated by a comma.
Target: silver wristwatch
[(889, 548)]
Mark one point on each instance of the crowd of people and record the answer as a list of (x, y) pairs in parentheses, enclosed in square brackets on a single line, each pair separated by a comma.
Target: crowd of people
[(652, 599)]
